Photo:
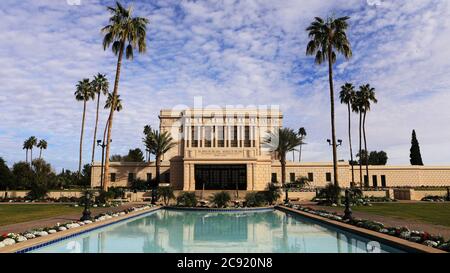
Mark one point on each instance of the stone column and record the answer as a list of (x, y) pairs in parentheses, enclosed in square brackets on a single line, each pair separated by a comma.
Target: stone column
[(216, 134)]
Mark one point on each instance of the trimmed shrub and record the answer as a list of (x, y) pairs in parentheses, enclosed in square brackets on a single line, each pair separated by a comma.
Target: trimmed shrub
[(221, 199), (166, 193), (187, 199), (255, 199), (272, 194)]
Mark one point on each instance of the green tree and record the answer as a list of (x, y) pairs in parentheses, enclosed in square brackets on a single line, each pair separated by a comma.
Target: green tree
[(23, 175), (280, 143), (26, 147), (124, 33), (378, 158), (6, 176), (347, 96), (30, 143), (147, 130), (364, 97), (221, 199), (302, 134), (84, 93), (415, 157), (100, 86), (329, 37), (134, 155), (42, 145), (166, 193), (158, 144)]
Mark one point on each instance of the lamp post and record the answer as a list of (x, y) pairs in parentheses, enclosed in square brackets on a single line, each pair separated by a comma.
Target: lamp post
[(87, 205), (339, 142), (103, 145)]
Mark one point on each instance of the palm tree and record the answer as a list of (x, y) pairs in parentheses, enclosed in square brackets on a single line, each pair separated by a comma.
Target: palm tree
[(347, 96), (328, 38), (302, 134), (42, 145), (280, 143), (367, 96), (26, 147), (158, 144), (147, 130), (124, 33), (32, 141), (100, 86), (84, 92), (110, 101)]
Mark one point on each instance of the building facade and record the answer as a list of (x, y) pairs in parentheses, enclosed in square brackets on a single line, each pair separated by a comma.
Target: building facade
[(221, 149)]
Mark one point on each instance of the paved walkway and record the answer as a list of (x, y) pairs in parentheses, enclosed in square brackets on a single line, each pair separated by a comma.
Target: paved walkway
[(47, 222), (390, 221)]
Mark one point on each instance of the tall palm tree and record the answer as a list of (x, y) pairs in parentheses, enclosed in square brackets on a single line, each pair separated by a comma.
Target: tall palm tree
[(347, 96), (147, 130), (158, 144), (367, 96), (32, 141), (100, 86), (42, 145), (280, 143), (26, 147), (124, 33), (302, 134), (328, 38), (84, 93)]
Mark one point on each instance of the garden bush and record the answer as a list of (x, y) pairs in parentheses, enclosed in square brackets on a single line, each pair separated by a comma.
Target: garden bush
[(255, 199), (221, 199), (166, 193), (272, 193), (187, 199)]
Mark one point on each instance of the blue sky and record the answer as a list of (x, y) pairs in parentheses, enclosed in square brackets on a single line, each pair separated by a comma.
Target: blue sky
[(229, 53)]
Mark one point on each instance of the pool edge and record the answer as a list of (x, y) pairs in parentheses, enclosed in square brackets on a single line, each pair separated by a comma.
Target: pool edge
[(39, 242), (383, 238)]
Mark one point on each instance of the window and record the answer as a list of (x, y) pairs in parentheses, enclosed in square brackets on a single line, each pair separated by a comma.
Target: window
[(112, 177), (366, 181), (274, 178), (374, 181), (234, 136), (194, 136), (383, 181), (208, 131), (328, 177), (310, 177), (247, 136), (292, 177), (149, 177), (220, 136), (131, 177)]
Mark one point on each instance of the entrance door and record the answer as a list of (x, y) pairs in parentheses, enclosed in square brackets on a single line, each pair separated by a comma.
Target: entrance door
[(221, 177)]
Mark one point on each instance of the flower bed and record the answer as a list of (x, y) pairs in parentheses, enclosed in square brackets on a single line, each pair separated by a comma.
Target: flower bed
[(415, 236), (13, 238)]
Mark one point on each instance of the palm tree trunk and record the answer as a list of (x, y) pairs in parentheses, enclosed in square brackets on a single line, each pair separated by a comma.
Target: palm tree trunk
[(81, 138), (111, 114), (333, 129), (365, 146), (283, 176), (300, 153), (350, 143), (31, 155), (360, 152), (95, 129), (293, 156), (158, 179), (26, 155), (40, 153)]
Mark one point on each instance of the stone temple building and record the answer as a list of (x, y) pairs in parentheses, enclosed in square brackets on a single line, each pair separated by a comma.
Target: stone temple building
[(224, 149)]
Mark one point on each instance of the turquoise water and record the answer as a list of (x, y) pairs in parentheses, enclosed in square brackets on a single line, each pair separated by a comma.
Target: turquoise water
[(196, 231)]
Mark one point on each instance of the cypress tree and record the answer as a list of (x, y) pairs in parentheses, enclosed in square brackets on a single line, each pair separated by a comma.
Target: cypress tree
[(415, 157)]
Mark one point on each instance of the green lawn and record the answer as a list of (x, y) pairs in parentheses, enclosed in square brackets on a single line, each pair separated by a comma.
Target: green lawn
[(17, 213), (434, 213)]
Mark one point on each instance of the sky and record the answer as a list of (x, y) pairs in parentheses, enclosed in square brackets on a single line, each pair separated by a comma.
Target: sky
[(238, 53)]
